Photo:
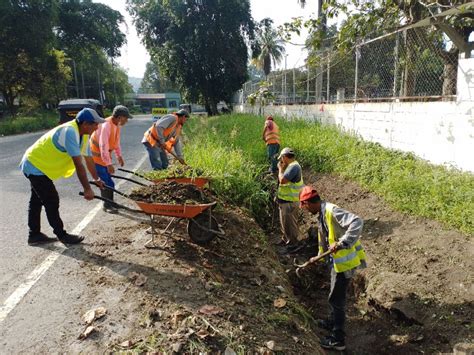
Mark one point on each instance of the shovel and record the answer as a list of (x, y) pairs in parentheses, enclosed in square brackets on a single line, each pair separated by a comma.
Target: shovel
[(299, 268)]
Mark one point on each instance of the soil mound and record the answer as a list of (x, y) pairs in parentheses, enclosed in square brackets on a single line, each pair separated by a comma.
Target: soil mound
[(171, 192)]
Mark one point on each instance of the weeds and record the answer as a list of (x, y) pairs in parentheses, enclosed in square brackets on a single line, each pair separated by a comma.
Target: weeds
[(44, 120), (234, 154)]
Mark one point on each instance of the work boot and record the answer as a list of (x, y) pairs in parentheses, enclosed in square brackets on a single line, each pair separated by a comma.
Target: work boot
[(330, 342), (109, 195), (39, 238), (70, 238)]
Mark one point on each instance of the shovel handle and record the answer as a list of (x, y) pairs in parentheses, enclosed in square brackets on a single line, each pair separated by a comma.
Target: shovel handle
[(134, 173), (115, 204), (128, 179), (312, 260), (110, 188)]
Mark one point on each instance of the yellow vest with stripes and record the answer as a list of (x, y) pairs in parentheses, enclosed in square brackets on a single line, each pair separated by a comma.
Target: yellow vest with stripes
[(291, 190), (48, 159), (343, 259)]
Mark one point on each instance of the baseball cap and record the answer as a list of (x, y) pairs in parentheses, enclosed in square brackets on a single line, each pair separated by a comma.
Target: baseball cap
[(183, 112), (121, 110), (286, 151), (89, 115), (307, 193)]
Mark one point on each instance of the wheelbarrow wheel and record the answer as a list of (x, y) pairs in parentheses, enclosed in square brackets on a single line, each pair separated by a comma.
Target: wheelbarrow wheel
[(199, 230)]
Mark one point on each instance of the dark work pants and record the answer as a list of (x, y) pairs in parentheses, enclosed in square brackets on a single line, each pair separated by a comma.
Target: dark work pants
[(337, 302), (272, 154), (43, 193)]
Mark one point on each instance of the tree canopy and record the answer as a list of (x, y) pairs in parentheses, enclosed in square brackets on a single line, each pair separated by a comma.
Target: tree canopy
[(201, 45), (269, 45), (44, 40)]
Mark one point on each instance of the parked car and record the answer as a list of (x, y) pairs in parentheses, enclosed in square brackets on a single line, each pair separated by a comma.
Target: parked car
[(68, 109)]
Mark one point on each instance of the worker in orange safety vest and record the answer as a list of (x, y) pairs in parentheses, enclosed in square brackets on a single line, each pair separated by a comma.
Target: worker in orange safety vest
[(164, 136), (271, 136), (103, 142)]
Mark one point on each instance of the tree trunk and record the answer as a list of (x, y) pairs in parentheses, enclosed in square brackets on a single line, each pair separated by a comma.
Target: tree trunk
[(409, 73), (449, 79), (9, 100)]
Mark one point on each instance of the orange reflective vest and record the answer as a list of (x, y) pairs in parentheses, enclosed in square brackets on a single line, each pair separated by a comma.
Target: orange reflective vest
[(113, 141), (151, 135), (272, 136)]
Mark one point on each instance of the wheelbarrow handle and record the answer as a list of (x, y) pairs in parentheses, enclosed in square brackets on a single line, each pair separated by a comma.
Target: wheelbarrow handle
[(134, 173), (110, 188), (128, 179), (113, 203)]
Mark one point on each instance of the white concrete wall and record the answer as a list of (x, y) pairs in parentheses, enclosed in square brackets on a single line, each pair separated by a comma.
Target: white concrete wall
[(440, 132)]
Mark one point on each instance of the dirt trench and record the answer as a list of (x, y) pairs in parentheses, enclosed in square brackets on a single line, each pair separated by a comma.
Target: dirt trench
[(416, 296), (239, 294)]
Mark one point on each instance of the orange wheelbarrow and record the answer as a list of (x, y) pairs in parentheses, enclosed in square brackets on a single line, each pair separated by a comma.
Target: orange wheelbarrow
[(202, 226)]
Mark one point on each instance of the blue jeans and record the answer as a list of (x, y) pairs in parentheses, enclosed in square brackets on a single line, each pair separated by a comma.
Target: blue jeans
[(272, 153), (158, 158), (104, 175)]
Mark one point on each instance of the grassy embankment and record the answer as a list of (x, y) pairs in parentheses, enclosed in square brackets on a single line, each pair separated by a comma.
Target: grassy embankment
[(230, 149), (29, 123)]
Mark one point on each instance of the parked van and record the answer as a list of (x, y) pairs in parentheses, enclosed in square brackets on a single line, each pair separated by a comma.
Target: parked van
[(68, 109)]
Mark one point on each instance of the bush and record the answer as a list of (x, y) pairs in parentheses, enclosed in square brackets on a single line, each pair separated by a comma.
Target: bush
[(33, 123)]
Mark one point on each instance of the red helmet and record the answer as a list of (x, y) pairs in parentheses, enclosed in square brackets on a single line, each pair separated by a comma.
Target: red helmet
[(307, 193)]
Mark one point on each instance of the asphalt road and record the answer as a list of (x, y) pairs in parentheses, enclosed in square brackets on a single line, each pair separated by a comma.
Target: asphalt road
[(17, 259)]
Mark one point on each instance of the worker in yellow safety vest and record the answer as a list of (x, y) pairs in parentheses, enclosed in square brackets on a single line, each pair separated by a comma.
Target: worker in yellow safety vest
[(164, 136), (58, 154), (290, 179), (271, 136), (339, 233), (104, 141)]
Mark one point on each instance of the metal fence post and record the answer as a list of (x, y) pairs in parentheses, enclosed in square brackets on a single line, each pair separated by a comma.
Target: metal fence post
[(307, 84), (328, 80), (294, 86), (395, 69), (357, 54)]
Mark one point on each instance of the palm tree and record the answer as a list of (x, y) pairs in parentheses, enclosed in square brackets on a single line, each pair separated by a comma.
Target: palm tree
[(270, 45)]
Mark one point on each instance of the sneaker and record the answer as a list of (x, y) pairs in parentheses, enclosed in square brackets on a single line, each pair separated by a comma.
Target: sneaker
[(331, 342), (39, 238), (111, 210), (324, 324), (70, 239)]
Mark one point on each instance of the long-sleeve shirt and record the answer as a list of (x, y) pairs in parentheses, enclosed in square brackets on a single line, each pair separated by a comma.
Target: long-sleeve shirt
[(349, 222), (103, 133), (162, 124)]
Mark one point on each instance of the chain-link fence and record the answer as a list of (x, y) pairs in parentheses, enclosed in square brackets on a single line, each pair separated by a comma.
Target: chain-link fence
[(414, 64)]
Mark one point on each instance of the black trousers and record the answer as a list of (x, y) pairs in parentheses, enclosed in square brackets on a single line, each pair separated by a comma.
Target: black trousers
[(337, 302), (43, 193)]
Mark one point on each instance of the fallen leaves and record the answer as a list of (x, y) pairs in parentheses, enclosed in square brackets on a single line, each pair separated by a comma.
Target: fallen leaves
[(210, 310), (279, 303), (89, 317)]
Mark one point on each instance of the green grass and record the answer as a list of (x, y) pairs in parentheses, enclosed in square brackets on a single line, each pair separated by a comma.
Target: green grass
[(230, 149), (32, 123)]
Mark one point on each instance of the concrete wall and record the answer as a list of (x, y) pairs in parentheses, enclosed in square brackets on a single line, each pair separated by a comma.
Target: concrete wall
[(440, 132)]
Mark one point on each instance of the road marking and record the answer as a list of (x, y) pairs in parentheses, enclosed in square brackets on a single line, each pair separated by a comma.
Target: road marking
[(12, 301)]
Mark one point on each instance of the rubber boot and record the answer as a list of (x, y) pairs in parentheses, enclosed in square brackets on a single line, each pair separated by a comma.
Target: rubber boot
[(108, 207)]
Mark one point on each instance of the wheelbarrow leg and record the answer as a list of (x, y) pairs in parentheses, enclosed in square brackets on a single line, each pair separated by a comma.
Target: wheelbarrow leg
[(151, 243)]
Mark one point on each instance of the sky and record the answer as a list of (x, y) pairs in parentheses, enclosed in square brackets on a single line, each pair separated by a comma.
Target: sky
[(134, 56)]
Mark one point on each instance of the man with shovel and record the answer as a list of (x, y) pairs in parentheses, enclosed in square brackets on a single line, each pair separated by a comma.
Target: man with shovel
[(338, 237), (164, 136), (104, 141)]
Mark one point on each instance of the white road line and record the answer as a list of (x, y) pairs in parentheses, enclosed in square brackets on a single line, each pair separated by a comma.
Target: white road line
[(15, 298)]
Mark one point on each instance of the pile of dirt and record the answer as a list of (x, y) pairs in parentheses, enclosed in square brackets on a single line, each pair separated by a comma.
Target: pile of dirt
[(171, 192), (230, 296)]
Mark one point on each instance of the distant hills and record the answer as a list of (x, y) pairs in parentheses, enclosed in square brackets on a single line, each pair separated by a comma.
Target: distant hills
[(135, 82)]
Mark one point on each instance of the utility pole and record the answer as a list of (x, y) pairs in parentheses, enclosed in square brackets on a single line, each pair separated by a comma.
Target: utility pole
[(83, 86), (286, 91), (113, 75), (100, 90), (75, 77)]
